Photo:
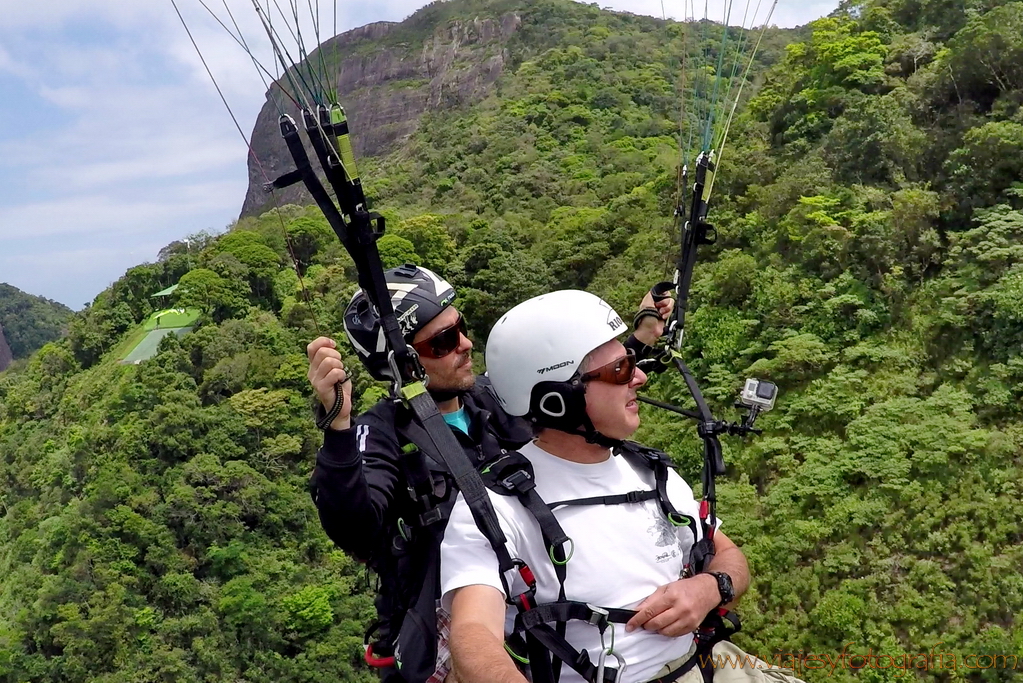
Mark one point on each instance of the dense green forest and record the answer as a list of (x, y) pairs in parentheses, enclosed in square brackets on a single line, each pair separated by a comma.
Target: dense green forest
[(154, 522), (30, 321)]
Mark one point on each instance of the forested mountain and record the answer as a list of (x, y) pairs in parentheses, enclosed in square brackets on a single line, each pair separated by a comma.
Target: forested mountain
[(154, 523), (29, 321), (6, 356), (451, 56)]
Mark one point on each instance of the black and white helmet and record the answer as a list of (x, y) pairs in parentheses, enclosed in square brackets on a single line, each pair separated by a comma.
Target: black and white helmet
[(418, 295)]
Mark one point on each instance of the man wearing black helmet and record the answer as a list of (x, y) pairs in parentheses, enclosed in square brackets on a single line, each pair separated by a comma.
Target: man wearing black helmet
[(361, 481)]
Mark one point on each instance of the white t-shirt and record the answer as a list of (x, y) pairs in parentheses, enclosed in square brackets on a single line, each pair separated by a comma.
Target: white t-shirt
[(623, 553)]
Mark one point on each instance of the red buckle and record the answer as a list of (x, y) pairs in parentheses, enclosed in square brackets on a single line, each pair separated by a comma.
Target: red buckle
[(704, 509), (527, 575), (377, 662)]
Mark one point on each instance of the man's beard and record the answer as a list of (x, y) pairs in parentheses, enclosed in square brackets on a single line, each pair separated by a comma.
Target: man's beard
[(459, 387)]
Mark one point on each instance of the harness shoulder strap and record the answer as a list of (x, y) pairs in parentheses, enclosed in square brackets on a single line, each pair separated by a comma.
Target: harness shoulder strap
[(643, 457), (439, 439), (512, 474)]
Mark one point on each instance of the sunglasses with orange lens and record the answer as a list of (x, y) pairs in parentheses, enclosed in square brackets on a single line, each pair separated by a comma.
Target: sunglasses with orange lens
[(620, 371), (444, 342)]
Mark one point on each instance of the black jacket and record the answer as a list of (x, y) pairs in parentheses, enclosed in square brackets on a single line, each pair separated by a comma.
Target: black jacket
[(360, 488), (359, 484)]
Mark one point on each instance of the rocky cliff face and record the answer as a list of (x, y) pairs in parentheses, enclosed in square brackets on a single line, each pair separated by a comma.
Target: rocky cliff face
[(6, 357), (386, 85)]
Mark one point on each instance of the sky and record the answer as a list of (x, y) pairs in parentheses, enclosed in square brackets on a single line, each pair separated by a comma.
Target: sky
[(114, 141)]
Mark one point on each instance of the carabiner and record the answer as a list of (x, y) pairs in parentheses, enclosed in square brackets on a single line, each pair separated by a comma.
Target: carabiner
[(602, 660)]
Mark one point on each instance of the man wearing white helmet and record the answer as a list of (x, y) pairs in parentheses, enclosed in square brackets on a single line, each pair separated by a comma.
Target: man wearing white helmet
[(620, 536)]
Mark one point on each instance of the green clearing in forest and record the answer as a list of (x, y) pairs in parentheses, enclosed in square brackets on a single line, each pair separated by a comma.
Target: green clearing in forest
[(171, 318), (142, 344)]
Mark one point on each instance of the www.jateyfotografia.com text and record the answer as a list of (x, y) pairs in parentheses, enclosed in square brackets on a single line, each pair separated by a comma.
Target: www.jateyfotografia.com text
[(902, 663)]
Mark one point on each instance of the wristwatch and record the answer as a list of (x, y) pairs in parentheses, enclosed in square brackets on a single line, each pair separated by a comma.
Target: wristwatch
[(725, 588)]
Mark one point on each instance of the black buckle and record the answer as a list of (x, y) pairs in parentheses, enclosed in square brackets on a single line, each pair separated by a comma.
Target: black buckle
[(633, 496), (430, 516), (519, 480)]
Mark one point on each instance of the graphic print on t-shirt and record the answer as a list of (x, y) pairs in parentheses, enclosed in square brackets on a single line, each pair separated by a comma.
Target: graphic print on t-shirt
[(664, 536)]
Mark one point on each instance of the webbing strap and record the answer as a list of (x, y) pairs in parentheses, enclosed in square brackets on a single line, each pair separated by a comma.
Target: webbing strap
[(286, 180), (643, 457), (444, 443), (554, 536), (543, 667), (688, 666), (357, 238), (548, 647), (360, 242), (542, 641), (619, 499), (305, 170), (321, 135), (552, 612), (521, 483), (418, 479), (661, 482)]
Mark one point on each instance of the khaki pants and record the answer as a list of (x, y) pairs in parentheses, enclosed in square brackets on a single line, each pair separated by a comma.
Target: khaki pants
[(730, 665)]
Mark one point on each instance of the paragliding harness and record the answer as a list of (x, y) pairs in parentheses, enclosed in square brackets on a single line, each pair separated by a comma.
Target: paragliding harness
[(538, 641), (358, 230), (406, 635)]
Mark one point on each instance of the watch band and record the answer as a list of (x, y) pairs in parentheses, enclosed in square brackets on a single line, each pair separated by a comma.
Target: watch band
[(725, 588)]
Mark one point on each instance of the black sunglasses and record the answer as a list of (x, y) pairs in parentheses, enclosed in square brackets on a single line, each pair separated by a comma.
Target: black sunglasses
[(619, 371), (444, 342)]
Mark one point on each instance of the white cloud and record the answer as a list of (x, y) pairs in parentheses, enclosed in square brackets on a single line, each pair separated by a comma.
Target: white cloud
[(117, 215), (44, 13)]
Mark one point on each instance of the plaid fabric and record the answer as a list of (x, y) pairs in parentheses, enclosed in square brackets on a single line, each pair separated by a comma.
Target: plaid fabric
[(443, 653)]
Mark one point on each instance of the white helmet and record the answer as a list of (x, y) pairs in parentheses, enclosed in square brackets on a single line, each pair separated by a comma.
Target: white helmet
[(539, 345)]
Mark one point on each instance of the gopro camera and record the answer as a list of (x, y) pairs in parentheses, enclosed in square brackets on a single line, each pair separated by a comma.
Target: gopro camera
[(759, 394)]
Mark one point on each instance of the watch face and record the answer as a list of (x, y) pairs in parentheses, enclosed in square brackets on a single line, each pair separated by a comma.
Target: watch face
[(725, 587)]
